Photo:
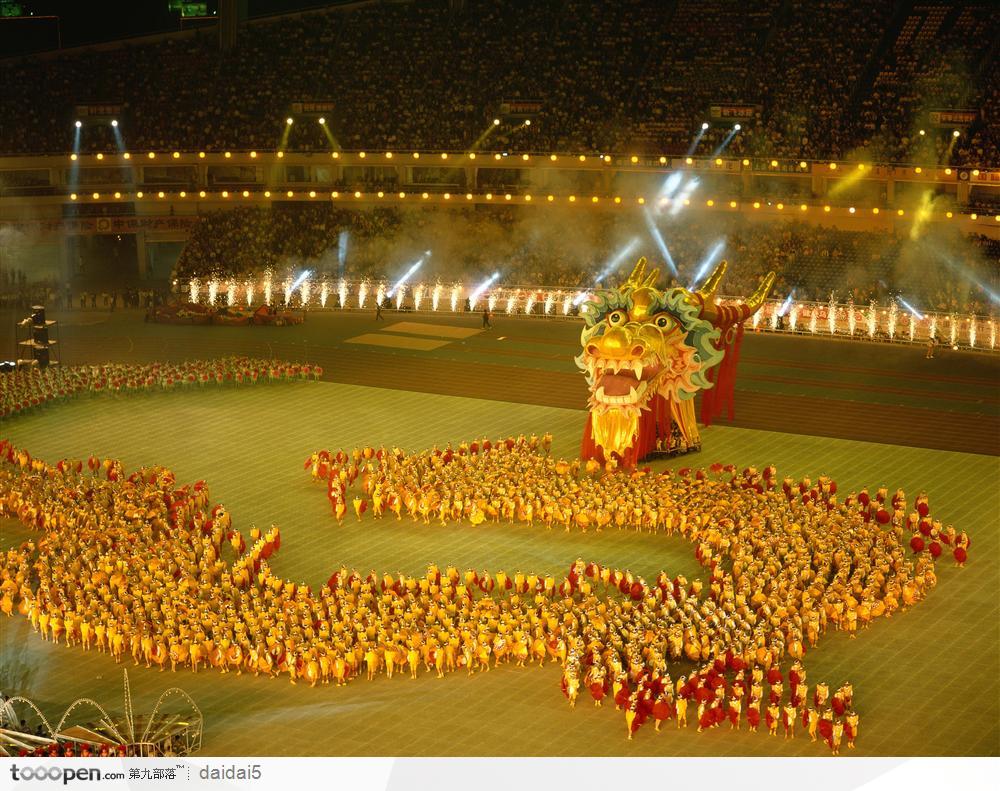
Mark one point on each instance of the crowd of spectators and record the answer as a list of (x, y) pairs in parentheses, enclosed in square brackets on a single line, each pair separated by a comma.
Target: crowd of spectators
[(940, 271), (826, 77)]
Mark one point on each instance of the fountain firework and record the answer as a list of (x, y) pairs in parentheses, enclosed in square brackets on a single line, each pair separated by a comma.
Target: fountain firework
[(380, 294), (268, 286), (512, 301), (213, 291), (362, 293), (231, 293), (831, 316), (893, 318), (305, 290), (456, 290), (550, 299), (324, 294), (248, 287), (529, 304), (400, 292), (871, 319), (418, 295), (954, 330), (852, 319), (793, 318), (972, 332), (194, 287), (287, 288), (813, 316), (567, 304), (342, 293)]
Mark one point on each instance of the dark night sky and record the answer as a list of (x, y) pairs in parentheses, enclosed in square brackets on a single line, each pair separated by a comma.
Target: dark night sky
[(91, 21)]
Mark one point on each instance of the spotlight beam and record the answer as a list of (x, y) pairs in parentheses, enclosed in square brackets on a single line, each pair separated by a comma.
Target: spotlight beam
[(300, 279), (912, 309), (409, 273), (660, 241), (616, 260)]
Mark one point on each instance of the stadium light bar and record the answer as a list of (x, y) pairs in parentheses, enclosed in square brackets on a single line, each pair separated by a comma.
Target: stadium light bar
[(78, 124)]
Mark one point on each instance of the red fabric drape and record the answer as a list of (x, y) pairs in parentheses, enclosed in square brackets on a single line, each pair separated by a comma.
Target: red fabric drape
[(723, 377)]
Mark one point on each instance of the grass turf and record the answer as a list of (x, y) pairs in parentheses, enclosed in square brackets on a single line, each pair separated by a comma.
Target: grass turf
[(926, 681)]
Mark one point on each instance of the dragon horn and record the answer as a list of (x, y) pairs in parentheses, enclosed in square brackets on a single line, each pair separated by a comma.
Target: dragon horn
[(723, 316), (707, 291), (651, 279), (635, 279)]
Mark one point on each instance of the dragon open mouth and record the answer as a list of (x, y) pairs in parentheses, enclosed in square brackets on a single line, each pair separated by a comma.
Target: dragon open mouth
[(622, 383)]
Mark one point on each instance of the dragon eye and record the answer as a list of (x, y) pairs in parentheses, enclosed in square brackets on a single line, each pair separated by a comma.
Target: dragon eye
[(662, 322), (616, 317)]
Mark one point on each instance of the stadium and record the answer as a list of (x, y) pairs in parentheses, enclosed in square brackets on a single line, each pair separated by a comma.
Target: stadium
[(464, 378)]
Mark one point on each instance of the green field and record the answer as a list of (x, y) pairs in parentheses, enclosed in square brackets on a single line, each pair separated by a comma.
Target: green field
[(926, 681)]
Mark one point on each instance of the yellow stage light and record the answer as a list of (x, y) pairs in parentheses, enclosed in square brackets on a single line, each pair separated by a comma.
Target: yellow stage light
[(746, 163), (642, 201), (918, 170), (444, 156), (875, 210), (177, 155), (900, 212), (357, 194), (151, 155), (594, 199), (447, 196), (416, 155), (72, 196), (97, 195), (974, 216), (689, 161), (803, 164), (583, 158), (922, 133), (634, 159), (201, 194), (335, 155), (334, 195), (402, 195), (553, 157), (489, 196), (975, 171), (525, 157), (774, 163), (472, 155), (861, 166), (388, 155), (424, 195), (73, 157), (947, 171), (468, 196), (572, 198), (289, 120), (322, 121), (551, 198), (267, 193), (139, 194), (380, 194), (362, 154), (826, 208), (718, 161), (126, 155), (948, 214), (618, 199), (833, 166), (281, 154), (781, 206), (956, 133), (496, 156), (118, 194), (663, 160), (182, 193), (507, 196), (851, 210), (225, 194), (201, 155), (100, 156), (732, 204), (710, 202), (756, 204), (253, 155), (803, 207), (312, 194), (290, 193)]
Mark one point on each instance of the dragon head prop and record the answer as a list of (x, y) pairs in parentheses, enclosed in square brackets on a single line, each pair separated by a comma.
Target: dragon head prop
[(639, 342)]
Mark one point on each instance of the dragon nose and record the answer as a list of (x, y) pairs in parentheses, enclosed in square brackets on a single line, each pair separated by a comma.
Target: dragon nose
[(638, 350), (592, 349)]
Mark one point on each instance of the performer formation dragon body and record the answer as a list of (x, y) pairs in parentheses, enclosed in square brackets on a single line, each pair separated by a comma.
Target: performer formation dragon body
[(646, 354)]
